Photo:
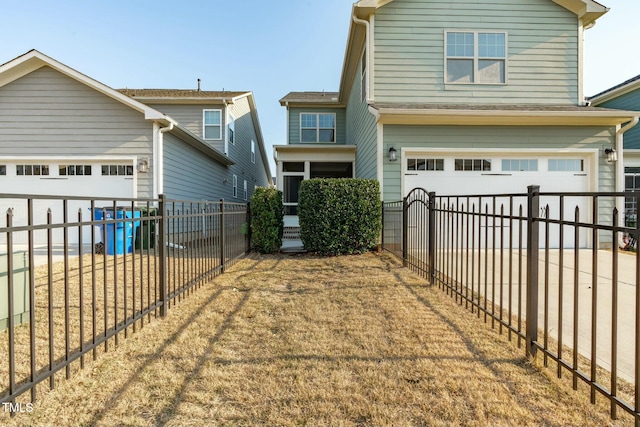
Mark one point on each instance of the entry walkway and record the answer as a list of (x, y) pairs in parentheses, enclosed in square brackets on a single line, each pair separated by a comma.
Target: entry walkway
[(304, 340)]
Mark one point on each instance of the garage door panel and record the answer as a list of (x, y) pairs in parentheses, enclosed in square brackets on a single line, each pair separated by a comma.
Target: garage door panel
[(551, 174), (94, 185)]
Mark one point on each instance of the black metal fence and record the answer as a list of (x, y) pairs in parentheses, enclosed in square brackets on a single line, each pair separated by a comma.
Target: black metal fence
[(77, 277), (545, 268)]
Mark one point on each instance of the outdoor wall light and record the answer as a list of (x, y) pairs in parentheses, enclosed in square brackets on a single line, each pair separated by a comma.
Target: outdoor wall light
[(612, 156), (143, 165), (392, 154)]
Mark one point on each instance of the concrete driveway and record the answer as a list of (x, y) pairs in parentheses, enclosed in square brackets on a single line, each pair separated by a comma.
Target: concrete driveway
[(624, 290)]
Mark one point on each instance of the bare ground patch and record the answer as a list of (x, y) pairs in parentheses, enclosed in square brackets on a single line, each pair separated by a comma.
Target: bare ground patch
[(280, 340)]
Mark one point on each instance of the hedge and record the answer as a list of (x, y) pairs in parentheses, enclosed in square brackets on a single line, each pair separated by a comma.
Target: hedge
[(267, 226), (340, 216)]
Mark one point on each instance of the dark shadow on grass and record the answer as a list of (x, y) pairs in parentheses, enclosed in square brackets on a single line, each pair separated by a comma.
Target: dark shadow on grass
[(164, 416), (110, 404), (481, 356)]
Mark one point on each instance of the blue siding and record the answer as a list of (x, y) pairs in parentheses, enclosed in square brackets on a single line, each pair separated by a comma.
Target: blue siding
[(628, 101)]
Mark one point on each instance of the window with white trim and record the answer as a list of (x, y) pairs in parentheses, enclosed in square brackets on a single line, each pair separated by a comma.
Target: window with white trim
[(253, 151), (231, 130), (3, 169), (29, 170), (519, 165), (475, 57), (566, 165), (318, 127), (212, 124), (235, 186), (414, 164), (78, 170), (246, 191), (472, 165)]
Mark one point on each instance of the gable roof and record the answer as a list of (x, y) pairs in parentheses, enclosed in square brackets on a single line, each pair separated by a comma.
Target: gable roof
[(586, 10), (33, 60), (616, 91), (191, 96), (182, 95)]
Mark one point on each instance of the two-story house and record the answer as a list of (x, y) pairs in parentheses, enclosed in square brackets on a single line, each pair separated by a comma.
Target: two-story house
[(63, 133), (457, 97), (626, 96)]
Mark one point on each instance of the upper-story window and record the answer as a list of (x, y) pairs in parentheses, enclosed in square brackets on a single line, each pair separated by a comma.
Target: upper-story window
[(212, 124), (318, 127), (475, 57), (231, 130), (253, 151)]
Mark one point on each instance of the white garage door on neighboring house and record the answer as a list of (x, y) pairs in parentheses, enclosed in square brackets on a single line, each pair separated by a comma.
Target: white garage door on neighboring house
[(61, 177), (479, 173)]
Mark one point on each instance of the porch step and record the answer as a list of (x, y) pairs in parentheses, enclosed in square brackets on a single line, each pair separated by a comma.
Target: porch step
[(291, 233)]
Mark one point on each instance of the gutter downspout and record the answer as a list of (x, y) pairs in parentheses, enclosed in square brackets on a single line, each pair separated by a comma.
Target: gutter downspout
[(367, 25), (620, 187), (160, 164)]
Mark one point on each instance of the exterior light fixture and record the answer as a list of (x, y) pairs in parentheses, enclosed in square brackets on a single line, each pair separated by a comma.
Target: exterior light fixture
[(612, 156), (143, 165), (392, 154)]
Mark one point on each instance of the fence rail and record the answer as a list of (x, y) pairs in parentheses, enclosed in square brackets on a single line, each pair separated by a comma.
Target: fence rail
[(545, 268), (93, 275)]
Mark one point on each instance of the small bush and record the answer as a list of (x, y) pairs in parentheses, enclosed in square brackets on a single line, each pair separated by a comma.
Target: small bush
[(267, 224), (340, 216)]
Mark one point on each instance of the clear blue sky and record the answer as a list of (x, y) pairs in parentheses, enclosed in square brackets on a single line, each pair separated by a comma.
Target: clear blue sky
[(268, 47)]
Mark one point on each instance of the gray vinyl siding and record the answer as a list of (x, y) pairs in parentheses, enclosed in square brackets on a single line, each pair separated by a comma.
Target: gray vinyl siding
[(191, 117), (189, 175), (45, 113), (294, 123), (628, 101), (542, 51), (362, 132), (240, 151), (508, 138)]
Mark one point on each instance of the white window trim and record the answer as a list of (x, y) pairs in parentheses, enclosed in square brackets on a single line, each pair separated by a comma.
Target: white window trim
[(235, 186), (204, 125), (245, 190), (231, 128), (253, 151), (335, 127), (476, 58)]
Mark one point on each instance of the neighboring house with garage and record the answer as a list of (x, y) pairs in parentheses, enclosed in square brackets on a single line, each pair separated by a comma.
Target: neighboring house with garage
[(63, 133), (626, 96), (457, 97)]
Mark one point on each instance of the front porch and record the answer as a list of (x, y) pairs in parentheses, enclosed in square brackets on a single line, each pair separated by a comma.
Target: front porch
[(295, 163)]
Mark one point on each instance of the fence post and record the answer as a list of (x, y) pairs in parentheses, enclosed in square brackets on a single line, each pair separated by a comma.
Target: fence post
[(405, 231), (163, 253), (222, 255), (533, 242), (432, 237)]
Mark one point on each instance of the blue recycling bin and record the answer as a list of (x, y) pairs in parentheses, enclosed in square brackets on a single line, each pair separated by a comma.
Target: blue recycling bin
[(118, 238)]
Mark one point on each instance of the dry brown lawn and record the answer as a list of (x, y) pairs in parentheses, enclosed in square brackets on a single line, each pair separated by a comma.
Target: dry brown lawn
[(304, 340)]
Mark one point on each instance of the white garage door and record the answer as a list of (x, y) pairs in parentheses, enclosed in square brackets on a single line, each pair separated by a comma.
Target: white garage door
[(494, 174), (86, 178)]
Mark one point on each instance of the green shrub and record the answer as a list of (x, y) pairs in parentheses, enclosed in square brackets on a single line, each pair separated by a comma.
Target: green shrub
[(267, 224), (340, 216)]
